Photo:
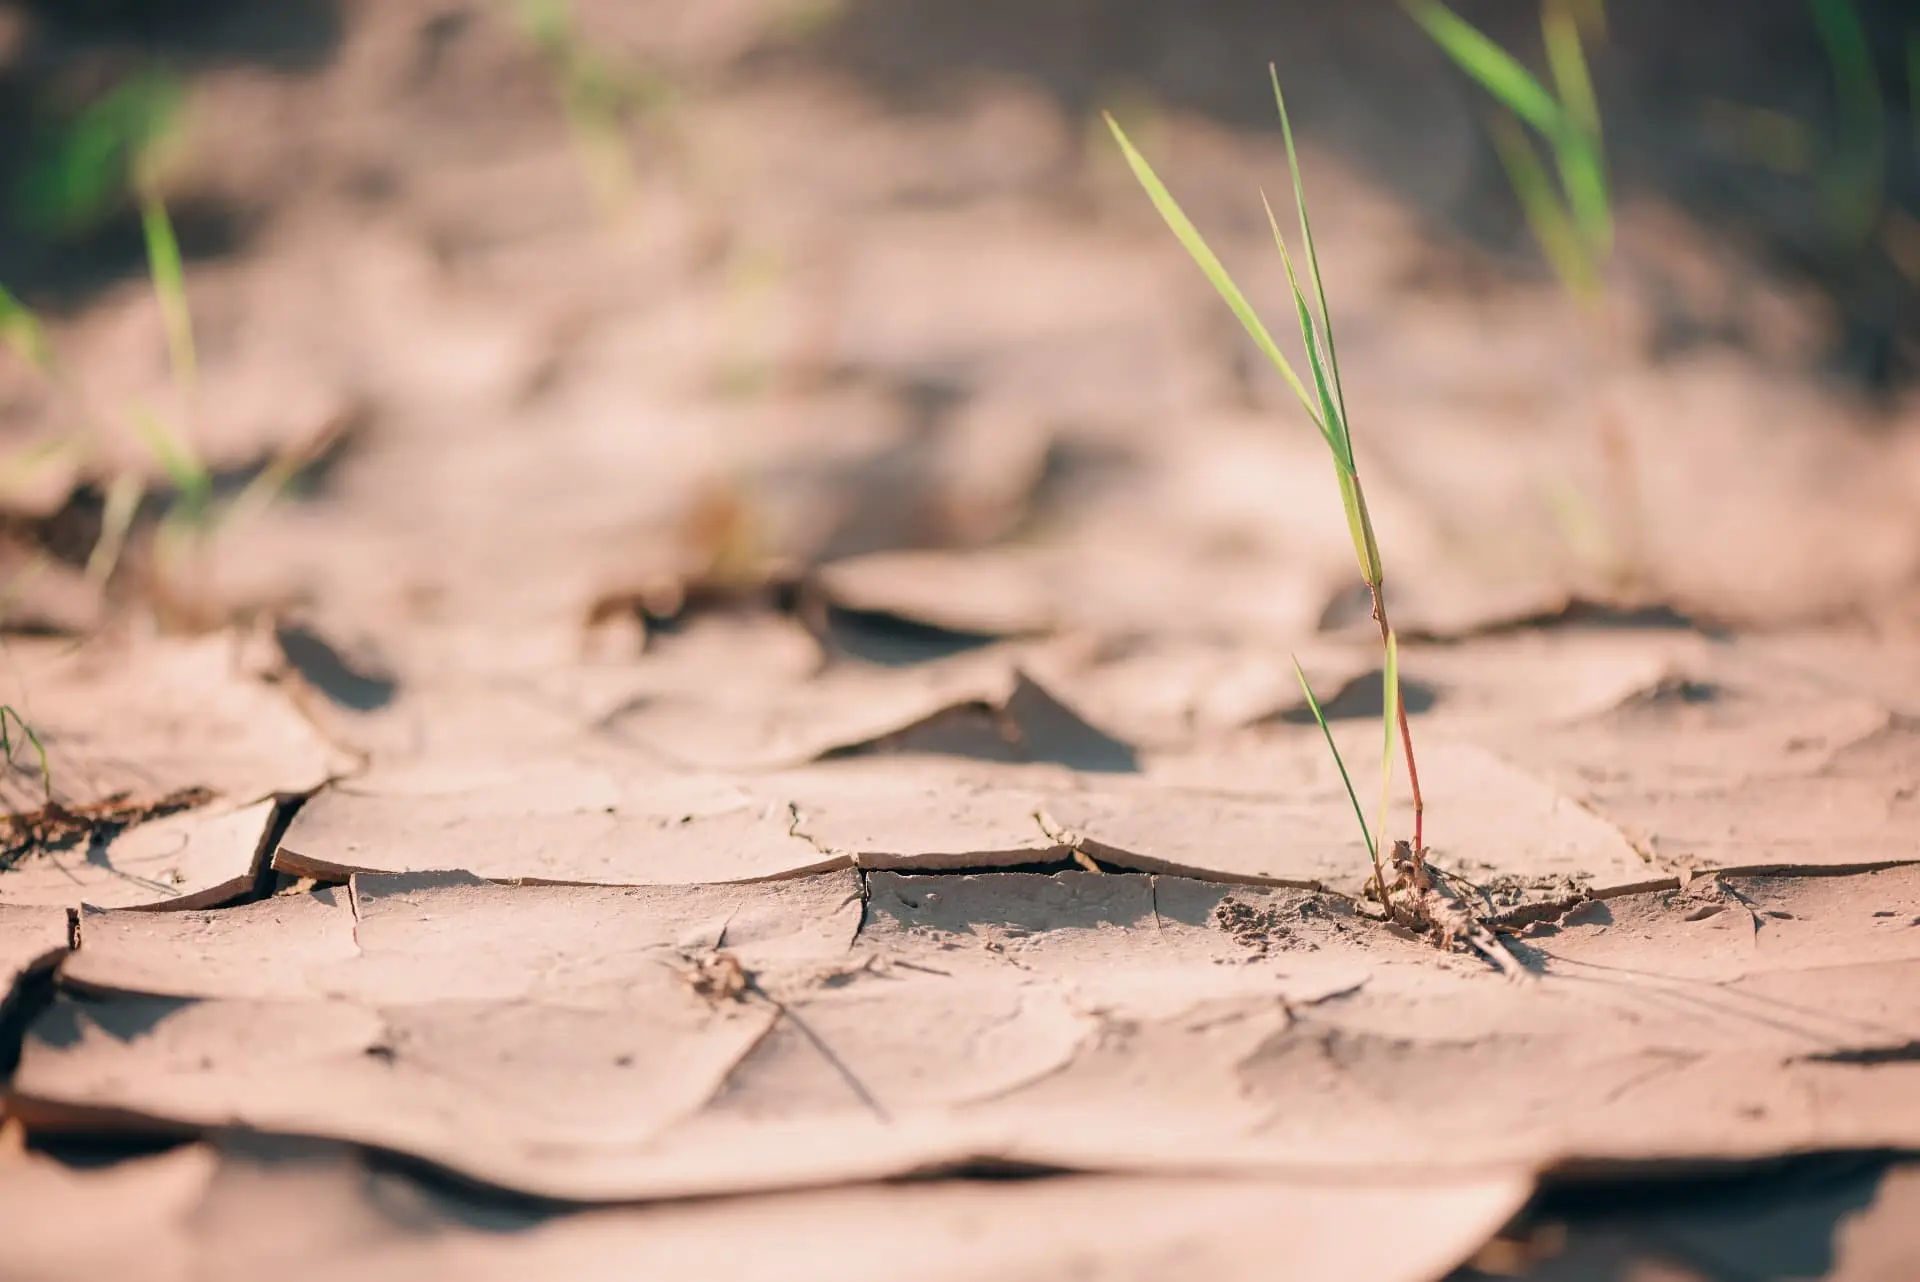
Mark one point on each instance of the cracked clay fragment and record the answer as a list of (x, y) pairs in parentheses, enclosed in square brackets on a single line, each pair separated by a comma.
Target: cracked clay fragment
[(171, 719), (406, 1017), (555, 820), (191, 859), (718, 727), (982, 593), (1780, 793), (304, 1211), (1737, 761), (921, 813)]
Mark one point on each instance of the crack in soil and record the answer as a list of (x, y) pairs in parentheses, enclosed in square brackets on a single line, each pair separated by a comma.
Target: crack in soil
[(1868, 1056)]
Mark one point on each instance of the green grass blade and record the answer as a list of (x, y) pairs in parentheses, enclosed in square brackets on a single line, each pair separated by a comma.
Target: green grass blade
[(21, 330), (1851, 58), (1360, 525), (1552, 226), (1390, 716), (170, 288), (1577, 150), (1333, 427), (1496, 69), (1567, 59), (191, 481), (1189, 236), (1859, 169), (1583, 177), (1320, 718), (40, 749), (82, 170), (116, 519), (1313, 256)]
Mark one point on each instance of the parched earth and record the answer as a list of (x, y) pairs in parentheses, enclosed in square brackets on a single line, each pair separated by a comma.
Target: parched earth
[(763, 741)]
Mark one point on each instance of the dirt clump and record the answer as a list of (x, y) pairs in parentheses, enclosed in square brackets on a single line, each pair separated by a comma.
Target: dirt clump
[(1280, 925)]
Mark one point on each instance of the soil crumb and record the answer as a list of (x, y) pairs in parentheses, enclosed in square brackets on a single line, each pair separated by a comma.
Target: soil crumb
[(1278, 926)]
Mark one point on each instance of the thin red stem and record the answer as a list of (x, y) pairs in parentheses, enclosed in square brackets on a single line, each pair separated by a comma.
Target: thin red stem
[(1406, 737)]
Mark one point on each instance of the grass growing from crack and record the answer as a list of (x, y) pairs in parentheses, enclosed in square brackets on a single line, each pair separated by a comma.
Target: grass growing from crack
[(193, 513), (1570, 213), (1572, 220), (1326, 408)]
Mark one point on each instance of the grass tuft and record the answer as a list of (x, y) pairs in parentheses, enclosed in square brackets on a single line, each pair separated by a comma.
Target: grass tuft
[(1573, 220), (1326, 408), (1570, 214)]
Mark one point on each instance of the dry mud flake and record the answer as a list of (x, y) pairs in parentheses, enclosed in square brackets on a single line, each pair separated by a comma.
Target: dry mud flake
[(1735, 763), (155, 723), (797, 723), (1128, 586), (1169, 693), (743, 694), (551, 820), (260, 1206), (994, 593), (539, 1024), (191, 859), (600, 1043)]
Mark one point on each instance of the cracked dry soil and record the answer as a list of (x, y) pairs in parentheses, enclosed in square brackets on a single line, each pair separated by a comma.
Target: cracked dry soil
[(763, 742)]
